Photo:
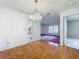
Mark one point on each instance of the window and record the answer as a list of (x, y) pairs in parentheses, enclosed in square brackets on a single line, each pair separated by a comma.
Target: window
[(53, 29)]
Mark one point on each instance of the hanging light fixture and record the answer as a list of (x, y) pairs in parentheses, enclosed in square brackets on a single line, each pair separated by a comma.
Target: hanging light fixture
[(36, 16)]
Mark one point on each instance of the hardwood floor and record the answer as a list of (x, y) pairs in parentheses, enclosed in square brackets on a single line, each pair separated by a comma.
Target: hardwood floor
[(40, 50)]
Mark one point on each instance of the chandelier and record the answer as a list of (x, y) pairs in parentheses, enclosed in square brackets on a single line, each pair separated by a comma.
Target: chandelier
[(36, 16)]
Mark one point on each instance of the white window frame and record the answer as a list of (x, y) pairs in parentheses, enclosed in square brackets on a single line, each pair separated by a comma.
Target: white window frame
[(53, 29)]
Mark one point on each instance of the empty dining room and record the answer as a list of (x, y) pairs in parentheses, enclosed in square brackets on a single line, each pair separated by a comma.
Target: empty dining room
[(39, 29)]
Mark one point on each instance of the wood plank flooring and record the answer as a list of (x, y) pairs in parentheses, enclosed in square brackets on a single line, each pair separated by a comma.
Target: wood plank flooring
[(40, 50)]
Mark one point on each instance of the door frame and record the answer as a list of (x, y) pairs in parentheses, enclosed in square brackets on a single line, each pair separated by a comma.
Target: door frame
[(62, 21)]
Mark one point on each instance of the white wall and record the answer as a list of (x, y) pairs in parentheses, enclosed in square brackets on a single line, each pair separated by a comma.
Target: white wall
[(36, 30), (12, 28), (44, 28), (73, 29)]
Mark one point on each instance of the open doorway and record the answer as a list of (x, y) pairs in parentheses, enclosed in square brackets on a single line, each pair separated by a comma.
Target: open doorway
[(71, 30), (50, 29)]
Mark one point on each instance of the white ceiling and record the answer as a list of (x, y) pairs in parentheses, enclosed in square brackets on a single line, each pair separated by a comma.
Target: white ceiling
[(54, 7)]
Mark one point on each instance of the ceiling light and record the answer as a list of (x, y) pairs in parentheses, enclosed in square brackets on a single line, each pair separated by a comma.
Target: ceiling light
[(36, 16)]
